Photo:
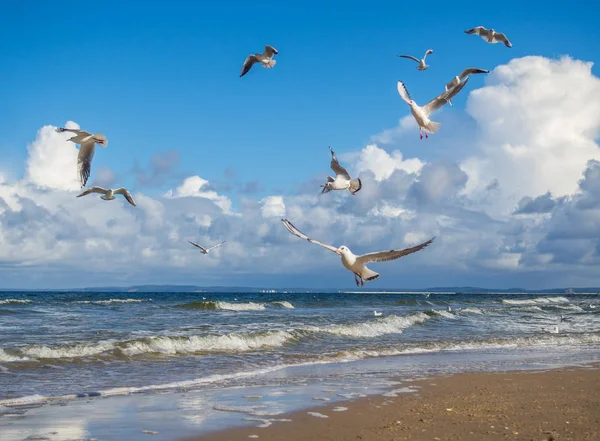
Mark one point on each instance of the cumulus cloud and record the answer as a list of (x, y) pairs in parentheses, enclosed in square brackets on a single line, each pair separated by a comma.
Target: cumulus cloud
[(538, 122), (196, 187), (522, 198)]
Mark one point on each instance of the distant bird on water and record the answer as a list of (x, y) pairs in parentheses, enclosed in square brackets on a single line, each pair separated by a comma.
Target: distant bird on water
[(109, 194), (87, 148), (465, 73), (422, 66), (266, 59), (421, 114), (490, 35)]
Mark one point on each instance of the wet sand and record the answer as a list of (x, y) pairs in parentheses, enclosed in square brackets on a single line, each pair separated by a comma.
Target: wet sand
[(557, 405)]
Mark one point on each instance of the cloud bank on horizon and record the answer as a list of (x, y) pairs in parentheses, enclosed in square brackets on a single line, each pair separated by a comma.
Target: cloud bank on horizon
[(521, 206)]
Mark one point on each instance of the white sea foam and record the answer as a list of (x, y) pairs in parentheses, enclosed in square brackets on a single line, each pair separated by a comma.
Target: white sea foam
[(321, 399), (536, 301), (285, 304), (317, 414), (240, 409), (111, 301), (339, 409), (7, 357), (211, 343), (14, 302), (250, 306), (444, 313), (402, 390), (388, 325), (166, 345), (471, 311)]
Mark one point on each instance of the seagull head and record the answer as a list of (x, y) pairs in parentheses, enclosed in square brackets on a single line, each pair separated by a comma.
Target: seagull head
[(344, 251)]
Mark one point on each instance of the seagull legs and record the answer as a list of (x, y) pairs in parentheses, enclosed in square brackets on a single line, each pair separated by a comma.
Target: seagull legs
[(356, 280), (420, 132)]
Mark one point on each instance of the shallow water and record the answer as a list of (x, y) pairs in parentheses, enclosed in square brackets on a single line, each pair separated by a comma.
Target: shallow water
[(66, 348)]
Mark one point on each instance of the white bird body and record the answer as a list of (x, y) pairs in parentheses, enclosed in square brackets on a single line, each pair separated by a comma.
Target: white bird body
[(421, 114), (342, 180), (377, 313), (421, 63), (87, 148), (490, 35), (358, 264), (109, 194)]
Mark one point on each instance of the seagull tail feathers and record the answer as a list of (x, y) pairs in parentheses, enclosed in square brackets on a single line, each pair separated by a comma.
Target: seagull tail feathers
[(433, 126), (270, 63), (369, 275)]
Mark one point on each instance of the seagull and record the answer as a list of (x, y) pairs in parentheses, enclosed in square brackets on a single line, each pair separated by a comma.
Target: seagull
[(490, 35), (266, 59), (88, 142), (342, 180), (377, 314), (422, 66), (465, 73), (109, 194), (357, 264), (421, 114), (206, 250)]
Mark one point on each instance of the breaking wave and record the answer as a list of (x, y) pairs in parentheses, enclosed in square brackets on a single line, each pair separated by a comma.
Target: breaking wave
[(536, 301), (111, 301), (14, 302), (388, 325), (209, 305)]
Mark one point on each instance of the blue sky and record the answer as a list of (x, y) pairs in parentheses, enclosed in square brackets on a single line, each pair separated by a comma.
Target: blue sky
[(159, 77)]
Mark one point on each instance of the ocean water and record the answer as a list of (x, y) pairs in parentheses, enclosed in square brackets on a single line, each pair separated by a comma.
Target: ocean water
[(72, 348)]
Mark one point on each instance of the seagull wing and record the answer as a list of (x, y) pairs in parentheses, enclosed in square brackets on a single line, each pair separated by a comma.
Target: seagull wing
[(502, 38), (336, 167), (216, 246), (471, 71), (126, 194), (403, 92), (250, 60), (428, 52), (76, 131), (384, 256), (292, 229), (93, 190), (270, 51), (355, 185), (410, 57), (478, 30), (84, 160), (442, 99), (204, 251)]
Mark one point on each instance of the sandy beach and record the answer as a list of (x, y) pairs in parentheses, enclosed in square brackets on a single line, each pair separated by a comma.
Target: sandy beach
[(561, 404)]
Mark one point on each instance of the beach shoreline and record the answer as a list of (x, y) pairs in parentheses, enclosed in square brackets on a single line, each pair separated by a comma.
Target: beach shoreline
[(558, 404)]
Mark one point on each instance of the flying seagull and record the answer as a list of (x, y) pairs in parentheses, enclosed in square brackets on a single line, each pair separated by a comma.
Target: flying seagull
[(421, 114), (465, 73), (205, 250), (88, 142), (357, 264), (109, 194), (422, 66), (266, 59), (490, 35), (342, 180)]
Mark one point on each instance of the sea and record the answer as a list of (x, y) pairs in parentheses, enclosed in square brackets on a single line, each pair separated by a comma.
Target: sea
[(82, 365)]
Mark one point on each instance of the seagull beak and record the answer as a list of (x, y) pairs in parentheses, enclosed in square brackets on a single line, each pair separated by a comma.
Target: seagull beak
[(338, 252)]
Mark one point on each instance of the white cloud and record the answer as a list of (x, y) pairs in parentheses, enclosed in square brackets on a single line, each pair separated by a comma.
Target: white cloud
[(52, 160), (273, 206), (538, 121), (196, 187), (382, 164)]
